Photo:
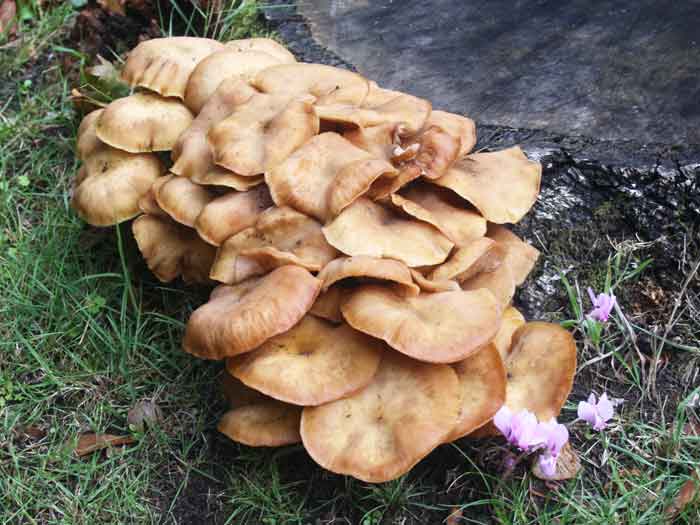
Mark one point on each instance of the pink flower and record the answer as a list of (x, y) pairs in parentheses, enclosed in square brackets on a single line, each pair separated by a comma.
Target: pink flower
[(602, 305), (555, 437), (521, 429), (597, 414)]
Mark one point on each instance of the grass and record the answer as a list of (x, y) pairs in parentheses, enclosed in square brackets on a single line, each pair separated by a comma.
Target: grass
[(86, 333)]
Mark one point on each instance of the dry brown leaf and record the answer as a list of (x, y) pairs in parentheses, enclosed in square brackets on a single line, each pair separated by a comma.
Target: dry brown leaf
[(91, 442), (113, 6), (8, 20), (568, 466), (455, 517), (144, 414), (687, 494)]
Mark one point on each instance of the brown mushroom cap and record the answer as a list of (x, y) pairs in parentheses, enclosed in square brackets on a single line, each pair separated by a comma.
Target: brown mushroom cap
[(367, 228), (262, 45), (182, 199), (512, 320), (148, 203), (519, 255), (218, 176), (320, 362), (503, 185), (234, 322), (441, 327), (87, 141), (482, 378), (327, 305), (229, 214), (457, 126), (499, 282), (221, 66), (380, 432), (435, 151), (541, 366), (432, 286), (280, 236), (237, 393), (473, 258), (171, 249), (164, 65), (268, 423), (328, 84), (379, 141), (324, 176), (143, 122), (364, 266), (262, 132)]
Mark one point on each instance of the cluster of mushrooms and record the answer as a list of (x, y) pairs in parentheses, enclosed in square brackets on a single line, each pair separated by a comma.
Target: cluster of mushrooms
[(365, 275)]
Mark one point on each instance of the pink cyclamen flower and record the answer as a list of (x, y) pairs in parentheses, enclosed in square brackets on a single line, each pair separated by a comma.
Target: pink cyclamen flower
[(521, 429), (555, 437), (597, 414), (602, 305)]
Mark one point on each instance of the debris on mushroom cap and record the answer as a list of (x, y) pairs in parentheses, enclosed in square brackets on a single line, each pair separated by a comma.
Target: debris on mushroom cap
[(519, 255), (280, 236), (164, 65), (363, 266), (381, 106), (502, 185), (327, 304), (435, 151), (171, 249), (325, 175), (473, 258), (192, 152), (482, 379), (367, 228), (500, 282), (148, 203), (262, 132), (328, 84), (143, 122), (218, 176), (380, 432), (263, 45), (457, 126), (512, 320), (443, 327), (229, 214), (267, 423), (459, 224), (182, 199), (232, 323), (237, 393), (431, 286), (221, 66), (321, 361), (541, 366)]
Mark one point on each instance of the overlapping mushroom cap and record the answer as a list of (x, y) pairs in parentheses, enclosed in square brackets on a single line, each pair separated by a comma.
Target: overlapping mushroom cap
[(268, 423)]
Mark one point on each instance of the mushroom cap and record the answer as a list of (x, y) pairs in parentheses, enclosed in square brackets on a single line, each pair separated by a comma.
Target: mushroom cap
[(231, 213), (221, 66), (443, 327), (541, 366), (435, 151), (511, 321), (263, 45), (268, 423), (328, 84), (218, 176), (327, 305), (519, 255), (499, 282), (380, 432), (379, 141), (237, 394), (324, 176), (364, 266), (164, 65), (240, 318), (143, 122), (367, 228), (457, 126), (479, 255), (432, 286), (502, 185), (262, 132), (280, 236), (171, 249), (182, 199), (482, 378), (459, 224), (192, 152), (321, 362), (148, 203), (86, 140)]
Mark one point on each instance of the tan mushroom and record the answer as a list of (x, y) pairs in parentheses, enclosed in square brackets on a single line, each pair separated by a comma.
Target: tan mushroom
[(164, 65), (432, 286), (473, 258), (183, 200), (148, 203), (379, 141), (443, 327), (240, 318), (380, 432), (502, 185), (367, 228), (231, 213), (280, 236), (519, 255), (218, 176), (237, 393), (262, 45), (457, 126), (512, 320), (365, 267), (500, 282), (482, 378), (267, 423), (321, 362), (171, 250), (324, 176), (327, 305), (143, 122)]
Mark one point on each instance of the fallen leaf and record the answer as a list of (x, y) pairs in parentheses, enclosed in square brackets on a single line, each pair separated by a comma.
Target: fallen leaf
[(692, 428), (33, 432), (144, 414), (455, 517), (688, 492), (8, 17), (83, 103), (568, 465), (89, 443), (113, 6)]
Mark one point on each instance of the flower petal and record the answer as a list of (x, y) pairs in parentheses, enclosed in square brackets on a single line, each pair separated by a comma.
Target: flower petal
[(587, 411)]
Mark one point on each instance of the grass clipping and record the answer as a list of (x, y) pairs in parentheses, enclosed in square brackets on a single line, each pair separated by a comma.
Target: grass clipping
[(364, 271)]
